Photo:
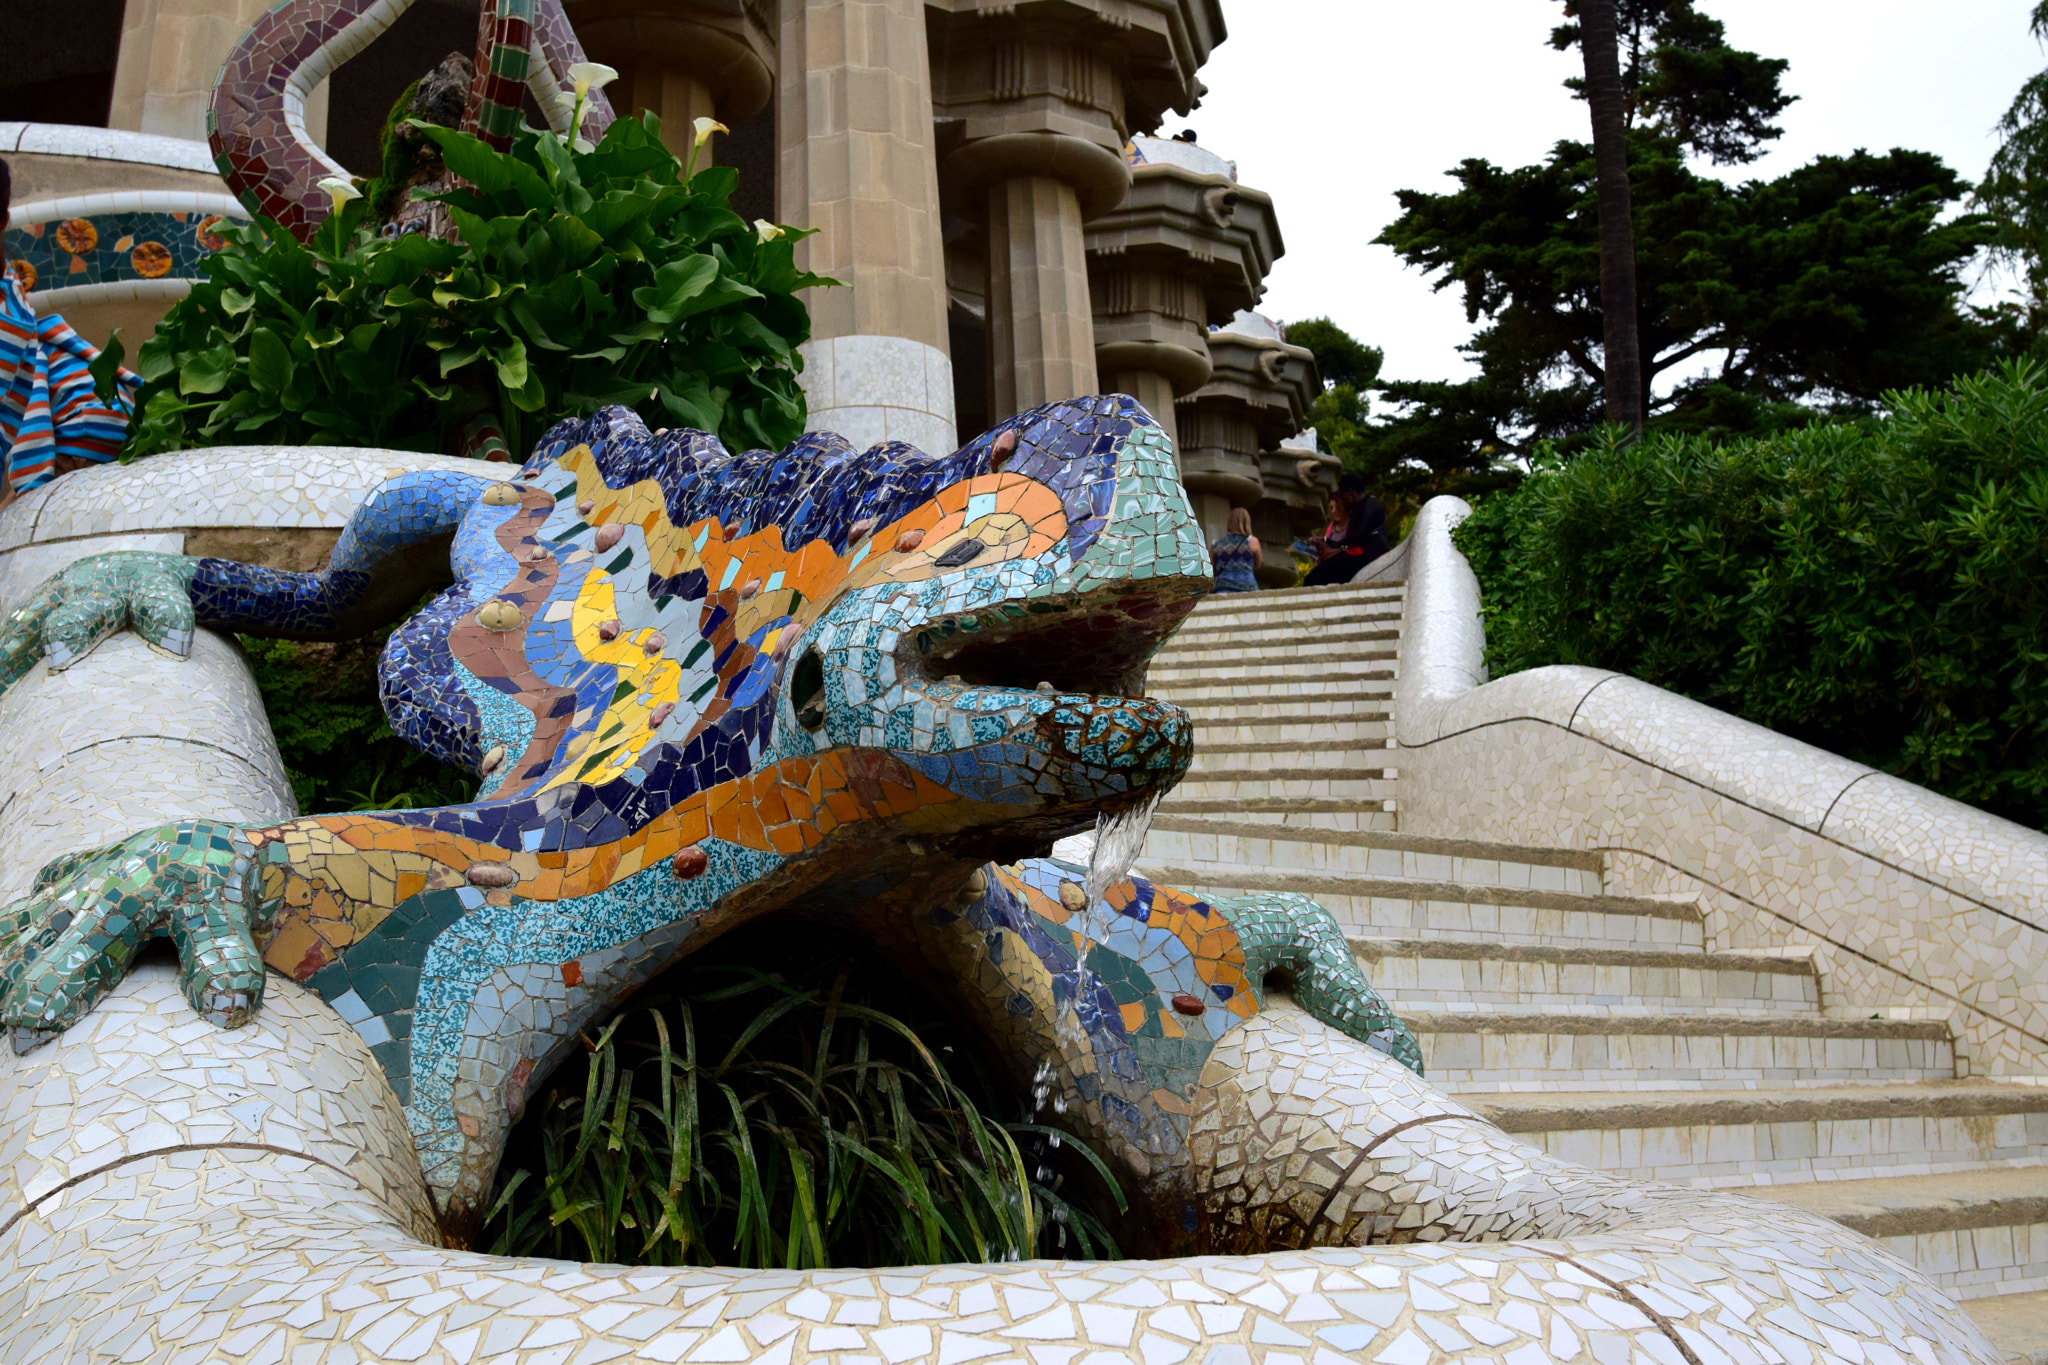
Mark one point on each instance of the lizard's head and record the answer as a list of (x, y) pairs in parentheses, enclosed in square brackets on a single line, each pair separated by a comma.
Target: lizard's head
[(973, 628), (996, 636)]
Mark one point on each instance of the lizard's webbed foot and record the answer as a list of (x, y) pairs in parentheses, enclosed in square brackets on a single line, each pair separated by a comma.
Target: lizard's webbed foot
[(72, 940), (85, 602), (1283, 932)]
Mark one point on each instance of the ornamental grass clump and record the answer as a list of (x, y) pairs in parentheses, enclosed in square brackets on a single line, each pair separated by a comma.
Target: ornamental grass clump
[(578, 277), (1879, 589), (779, 1119)]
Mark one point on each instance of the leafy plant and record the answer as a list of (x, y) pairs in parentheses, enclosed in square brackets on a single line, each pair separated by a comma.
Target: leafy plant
[(1879, 588), (581, 278), (779, 1119), (338, 750)]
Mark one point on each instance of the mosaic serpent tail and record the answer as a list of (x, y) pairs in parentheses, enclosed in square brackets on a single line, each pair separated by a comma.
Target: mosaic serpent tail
[(256, 120), (699, 688)]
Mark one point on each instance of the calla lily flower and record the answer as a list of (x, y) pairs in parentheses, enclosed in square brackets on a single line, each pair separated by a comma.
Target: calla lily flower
[(339, 190), (765, 231), (591, 76), (706, 127)]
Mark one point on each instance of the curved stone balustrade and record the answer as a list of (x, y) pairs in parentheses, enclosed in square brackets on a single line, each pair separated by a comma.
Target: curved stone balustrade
[(175, 1191), (1904, 893)]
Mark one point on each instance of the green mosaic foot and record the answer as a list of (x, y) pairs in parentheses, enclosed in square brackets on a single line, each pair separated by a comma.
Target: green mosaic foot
[(1290, 933), (87, 601), (74, 937)]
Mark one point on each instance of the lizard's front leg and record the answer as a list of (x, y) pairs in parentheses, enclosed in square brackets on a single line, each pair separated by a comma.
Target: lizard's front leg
[(196, 883)]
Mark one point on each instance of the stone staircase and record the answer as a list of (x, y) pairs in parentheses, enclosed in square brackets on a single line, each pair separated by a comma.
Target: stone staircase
[(1604, 1028)]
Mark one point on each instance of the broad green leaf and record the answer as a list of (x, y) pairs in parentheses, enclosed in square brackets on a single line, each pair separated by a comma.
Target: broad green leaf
[(207, 371), (270, 363)]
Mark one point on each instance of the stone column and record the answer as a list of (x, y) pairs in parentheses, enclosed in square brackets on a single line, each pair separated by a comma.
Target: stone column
[(682, 59), (1187, 248), (1041, 335), (1035, 103), (855, 129), (170, 55)]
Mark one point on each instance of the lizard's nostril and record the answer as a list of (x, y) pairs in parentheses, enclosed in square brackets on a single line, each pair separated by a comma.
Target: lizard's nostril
[(807, 690), (965, 552)]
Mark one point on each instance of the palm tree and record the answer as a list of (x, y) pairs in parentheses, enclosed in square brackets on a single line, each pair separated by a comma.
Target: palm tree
[(1622, 369)]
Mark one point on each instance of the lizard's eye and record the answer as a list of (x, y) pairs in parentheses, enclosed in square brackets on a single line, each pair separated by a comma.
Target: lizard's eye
[(807, 690)]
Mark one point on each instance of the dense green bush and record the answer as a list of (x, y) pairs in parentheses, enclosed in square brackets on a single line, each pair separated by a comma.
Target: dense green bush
[(1877, 589), (338, 751), (740, 1116), (580, 278)]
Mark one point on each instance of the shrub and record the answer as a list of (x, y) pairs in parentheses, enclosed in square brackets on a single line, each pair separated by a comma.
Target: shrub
[(1877, 589), (338, 750), (581, 278), (779, 1119)]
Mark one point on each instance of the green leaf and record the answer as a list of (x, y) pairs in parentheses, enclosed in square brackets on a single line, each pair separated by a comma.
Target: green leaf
[(509, 361), (270, 363), (675, 285), (208, 371)]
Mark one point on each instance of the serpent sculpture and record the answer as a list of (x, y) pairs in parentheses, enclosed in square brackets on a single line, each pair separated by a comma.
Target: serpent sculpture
[(256, 120), (700, 689)]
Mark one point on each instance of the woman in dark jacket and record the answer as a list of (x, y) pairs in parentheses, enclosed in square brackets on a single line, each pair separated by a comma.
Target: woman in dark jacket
[(1355, 537)]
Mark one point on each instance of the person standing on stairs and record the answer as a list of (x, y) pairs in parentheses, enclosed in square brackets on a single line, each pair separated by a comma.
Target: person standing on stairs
[(1234, 555), (1355, 537)]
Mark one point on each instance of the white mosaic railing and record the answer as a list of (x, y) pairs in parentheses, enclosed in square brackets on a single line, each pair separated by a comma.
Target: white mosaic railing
[(173, 1191), (1918, 906)]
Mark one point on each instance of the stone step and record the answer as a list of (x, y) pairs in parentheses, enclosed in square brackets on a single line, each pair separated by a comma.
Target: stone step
[(1364, 716), (1167, 670), (1290, 755), (1226, 782), (1714, 1139), (1975, 1233), (1326, 684), (1447, 974), (1342, 733), (1385, 907), (1199, 635), (1295, 603), (1291, 812), (1469, 1051), (2017, 1325), (1329, 852)]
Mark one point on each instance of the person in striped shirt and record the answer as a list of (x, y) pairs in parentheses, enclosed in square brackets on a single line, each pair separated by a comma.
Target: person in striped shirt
[(51, 420)]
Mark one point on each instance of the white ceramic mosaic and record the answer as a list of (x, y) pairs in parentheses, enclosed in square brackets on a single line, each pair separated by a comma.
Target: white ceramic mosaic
[(1913, 897), (180, 1193)]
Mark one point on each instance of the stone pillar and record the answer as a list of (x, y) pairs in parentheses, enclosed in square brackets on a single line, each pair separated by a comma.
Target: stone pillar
[(170, 55), (1041, 335), (1188, 247), (682, 59), (855, 130), (1034, 105)]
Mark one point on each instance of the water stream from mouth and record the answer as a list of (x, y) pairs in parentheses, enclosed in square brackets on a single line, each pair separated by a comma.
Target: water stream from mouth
[(1119, 838)]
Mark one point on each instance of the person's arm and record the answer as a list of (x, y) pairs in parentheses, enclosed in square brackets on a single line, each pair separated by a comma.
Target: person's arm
[(1258, 550)]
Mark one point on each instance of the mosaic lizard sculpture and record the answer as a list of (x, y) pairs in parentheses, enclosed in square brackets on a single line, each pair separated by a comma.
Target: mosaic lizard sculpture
[(699, 688)]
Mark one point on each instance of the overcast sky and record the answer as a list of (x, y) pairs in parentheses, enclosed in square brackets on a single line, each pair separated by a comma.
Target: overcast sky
[(1333, 105)]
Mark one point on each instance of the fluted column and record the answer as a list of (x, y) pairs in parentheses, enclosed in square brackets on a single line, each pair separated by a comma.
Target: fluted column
[(681, 60), (1040, 330), (857, 165)]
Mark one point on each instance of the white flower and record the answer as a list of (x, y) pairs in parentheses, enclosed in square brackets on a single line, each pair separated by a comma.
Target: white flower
[(706, 127), (339, 190), (765, 231), (591, 76)]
